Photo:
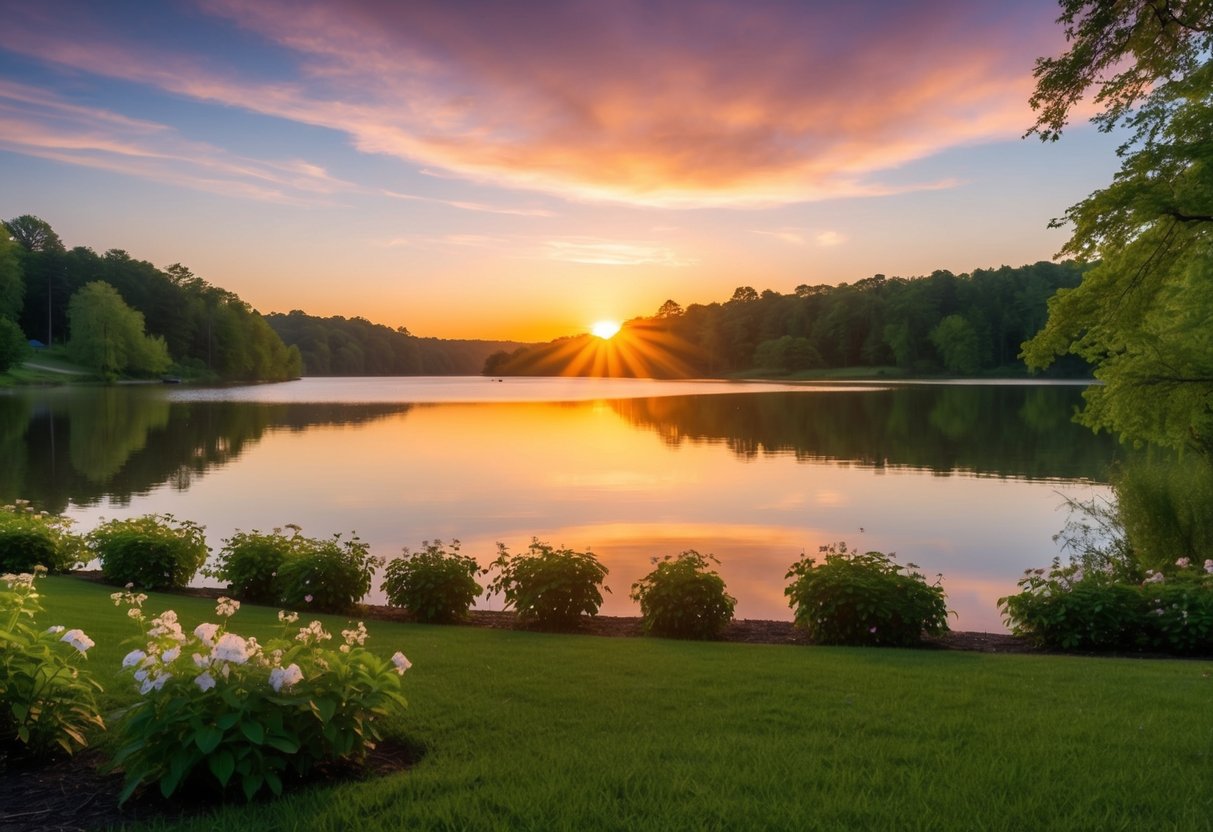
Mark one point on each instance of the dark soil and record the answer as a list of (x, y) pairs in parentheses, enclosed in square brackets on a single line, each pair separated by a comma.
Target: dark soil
[(74, 793)]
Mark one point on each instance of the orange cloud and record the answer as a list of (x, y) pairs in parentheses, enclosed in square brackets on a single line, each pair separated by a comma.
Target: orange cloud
[(644, 103)]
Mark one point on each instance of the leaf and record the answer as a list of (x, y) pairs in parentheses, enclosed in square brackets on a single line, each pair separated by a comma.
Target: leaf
[(254, 731), (324, 708), (222, 764), (207, 738)]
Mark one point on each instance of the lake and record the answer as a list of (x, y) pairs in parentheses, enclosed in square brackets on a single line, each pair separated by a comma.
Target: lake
[(962, 479)]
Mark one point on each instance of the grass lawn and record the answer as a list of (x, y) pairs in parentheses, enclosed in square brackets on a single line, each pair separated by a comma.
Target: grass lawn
[(536, 731)]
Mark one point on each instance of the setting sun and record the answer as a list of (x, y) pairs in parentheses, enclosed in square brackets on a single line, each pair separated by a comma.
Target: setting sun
[(605, 329)]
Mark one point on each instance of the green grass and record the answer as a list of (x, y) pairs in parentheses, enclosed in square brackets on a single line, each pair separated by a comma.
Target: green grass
[(535, 731)]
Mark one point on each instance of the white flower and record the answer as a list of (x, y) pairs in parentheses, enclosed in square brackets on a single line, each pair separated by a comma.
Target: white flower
[(354, 636), (206, 633), (284, 677), (1153, 577), (402, 664), (231, 648), (77, 639), (133, 658), (135, 613), (226, 607), (287, 617), (1209, 566), (170, 655), (313, 632), (201, 660), (1183, 563), (55, 630), (140, 675), (205, 681), (307, 598)]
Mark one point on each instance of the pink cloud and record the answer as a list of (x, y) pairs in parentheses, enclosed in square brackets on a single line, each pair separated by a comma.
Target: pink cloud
[(651, 103)]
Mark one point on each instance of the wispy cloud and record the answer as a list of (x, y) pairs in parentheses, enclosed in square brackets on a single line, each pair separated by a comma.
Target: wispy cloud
[(479, 207), (642, 102), (36, 122), (598, 252), (797, 237)]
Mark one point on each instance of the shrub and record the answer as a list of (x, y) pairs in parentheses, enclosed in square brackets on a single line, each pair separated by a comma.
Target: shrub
[(1074, 608), (326, 575), (436, 585), (216, 706), (249, 562), (683, 599), (152, 552), (550, 588), (47, 703), (30, 538), (864, 599)]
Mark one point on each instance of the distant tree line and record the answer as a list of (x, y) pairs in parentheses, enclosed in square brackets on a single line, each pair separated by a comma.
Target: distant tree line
[(943, 323), (120, 315), (340, 346)]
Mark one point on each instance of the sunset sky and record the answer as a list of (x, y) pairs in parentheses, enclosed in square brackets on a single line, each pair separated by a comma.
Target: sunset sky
[(521, 170)]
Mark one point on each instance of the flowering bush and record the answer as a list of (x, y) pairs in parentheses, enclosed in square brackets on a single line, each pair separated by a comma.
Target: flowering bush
[(30, 538), (549, 587), (46, 701), (682, 598), (216, 705), (152, 552), (249, 562), (864, 599), (326, 575), (1075, 608), (436, 585)]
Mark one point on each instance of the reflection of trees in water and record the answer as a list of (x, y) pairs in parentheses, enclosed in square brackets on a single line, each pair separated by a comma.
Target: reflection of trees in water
[(1018, 431), (89, 444)]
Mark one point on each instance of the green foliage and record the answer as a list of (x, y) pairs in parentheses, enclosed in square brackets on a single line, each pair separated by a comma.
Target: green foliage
[(436, 585), (683, 597), (1140, 316), (788, 354), (228, 711), (864, 599), (957, 344), (47, 703), (12, 286), (31, 538), (1164, 507), (550, 588), (14, 347), (151, 552), (874, 322), (326, 575), (1072, 608), (339, 346), (107, 335), (249, 562)]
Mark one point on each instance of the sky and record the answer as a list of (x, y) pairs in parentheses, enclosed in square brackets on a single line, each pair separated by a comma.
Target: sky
[(521, 170)]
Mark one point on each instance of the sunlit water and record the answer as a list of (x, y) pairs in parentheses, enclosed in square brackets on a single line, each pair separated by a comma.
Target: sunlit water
[(961, 480)]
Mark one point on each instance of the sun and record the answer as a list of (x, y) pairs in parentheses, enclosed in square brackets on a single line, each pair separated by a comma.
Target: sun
[(605, 329)]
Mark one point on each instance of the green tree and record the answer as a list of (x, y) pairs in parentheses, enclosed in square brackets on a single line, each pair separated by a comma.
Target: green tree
[(1141, 315), (108, 336), (34, 234), (12, 285), (957, 344), (13, 346)]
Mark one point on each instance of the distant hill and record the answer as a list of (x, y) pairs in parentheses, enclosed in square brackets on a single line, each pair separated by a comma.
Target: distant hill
[(338, 346)]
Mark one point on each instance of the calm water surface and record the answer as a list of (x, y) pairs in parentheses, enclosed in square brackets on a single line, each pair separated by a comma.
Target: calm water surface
[(964, 480)]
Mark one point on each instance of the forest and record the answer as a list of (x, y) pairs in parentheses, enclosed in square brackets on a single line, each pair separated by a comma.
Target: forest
[(123, 316), (943, 323), (338, 346), (126, 317)]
